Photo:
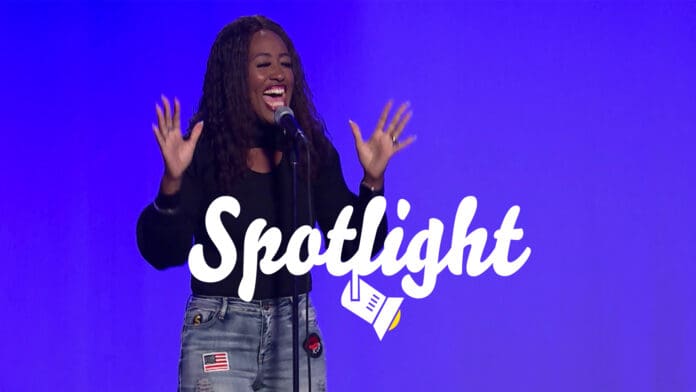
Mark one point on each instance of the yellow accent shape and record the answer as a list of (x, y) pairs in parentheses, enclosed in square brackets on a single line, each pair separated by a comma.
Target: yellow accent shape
[(397, 318)]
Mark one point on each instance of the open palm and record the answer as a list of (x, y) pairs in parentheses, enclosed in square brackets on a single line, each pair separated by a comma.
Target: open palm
[(176, 151), (374, 154)]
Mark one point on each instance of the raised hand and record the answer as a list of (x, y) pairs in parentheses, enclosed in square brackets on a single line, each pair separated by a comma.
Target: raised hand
[(176, 151), (375, 153)]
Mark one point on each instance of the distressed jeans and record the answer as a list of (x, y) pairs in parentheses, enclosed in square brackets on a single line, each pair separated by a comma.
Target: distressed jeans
[(230, 345)]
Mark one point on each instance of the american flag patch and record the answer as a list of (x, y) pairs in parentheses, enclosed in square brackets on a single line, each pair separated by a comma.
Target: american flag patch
[(215, 362)]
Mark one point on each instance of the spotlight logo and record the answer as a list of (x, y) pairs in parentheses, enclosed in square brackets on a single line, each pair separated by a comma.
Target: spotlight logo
[(372, 306), (380, 311)]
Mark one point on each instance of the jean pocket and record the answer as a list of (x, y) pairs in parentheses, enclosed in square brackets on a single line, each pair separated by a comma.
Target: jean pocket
[(312, 312), (201, 313)]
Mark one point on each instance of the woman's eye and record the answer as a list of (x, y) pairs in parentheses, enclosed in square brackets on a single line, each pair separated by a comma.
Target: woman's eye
[(287, 65), (260, 65)]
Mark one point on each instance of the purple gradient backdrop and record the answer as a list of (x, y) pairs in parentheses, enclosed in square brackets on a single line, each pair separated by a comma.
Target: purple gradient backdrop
[(581, 113)]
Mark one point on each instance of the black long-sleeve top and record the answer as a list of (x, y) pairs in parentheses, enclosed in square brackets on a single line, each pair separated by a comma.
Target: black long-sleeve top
[(165, 238)]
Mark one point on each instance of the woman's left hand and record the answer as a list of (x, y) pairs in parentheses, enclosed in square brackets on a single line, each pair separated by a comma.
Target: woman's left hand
[(375, 153)]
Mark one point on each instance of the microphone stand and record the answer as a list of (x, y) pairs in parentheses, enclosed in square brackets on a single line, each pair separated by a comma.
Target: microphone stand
[(296, 139), (284, 117)]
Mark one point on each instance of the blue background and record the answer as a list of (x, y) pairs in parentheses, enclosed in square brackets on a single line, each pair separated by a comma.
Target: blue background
[(581, 113)]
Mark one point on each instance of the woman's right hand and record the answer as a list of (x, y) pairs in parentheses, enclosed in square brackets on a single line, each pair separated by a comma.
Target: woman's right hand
[(176, 151)]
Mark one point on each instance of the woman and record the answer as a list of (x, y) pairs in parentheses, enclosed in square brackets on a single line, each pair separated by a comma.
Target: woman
[(253, 68)]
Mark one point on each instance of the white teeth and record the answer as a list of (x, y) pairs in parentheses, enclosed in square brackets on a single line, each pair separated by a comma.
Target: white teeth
[(275, 91)]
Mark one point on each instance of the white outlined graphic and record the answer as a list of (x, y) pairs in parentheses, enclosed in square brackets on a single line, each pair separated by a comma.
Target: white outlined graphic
[(421, 255), (380, 311)]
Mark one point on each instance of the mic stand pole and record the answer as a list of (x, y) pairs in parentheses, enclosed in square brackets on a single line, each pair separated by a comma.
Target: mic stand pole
[(299, 136)]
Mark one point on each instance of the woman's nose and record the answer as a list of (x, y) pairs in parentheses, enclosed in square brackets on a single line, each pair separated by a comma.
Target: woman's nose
[(277, 73)]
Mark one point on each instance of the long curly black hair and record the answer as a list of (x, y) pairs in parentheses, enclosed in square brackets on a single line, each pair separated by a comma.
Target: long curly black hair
[(225, 106)]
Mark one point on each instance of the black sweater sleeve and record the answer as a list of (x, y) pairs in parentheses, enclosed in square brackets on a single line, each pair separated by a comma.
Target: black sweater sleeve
[(331, 195), (165, 228)]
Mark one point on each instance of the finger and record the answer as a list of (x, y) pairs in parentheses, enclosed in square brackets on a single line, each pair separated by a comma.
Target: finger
[(158, 135), (357, 135), (404, 143), (383, 117), (160, 120), (402, 124), (397, 116), (196, 132), (177, 114), (167, 112)]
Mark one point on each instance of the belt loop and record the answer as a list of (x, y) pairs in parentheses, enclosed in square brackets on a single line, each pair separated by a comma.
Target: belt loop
[(223, 309)]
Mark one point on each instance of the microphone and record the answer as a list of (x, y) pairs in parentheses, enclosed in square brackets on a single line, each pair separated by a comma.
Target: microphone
[(285, 118)]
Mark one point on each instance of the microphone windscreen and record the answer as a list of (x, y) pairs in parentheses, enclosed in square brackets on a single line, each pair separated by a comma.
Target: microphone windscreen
[(281, 112)]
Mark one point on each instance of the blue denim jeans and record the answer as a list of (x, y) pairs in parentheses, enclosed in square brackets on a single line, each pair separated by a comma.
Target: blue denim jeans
[(231, 345)]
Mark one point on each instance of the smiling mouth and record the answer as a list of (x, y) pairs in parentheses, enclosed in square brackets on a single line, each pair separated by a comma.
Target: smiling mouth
[(274, 97)]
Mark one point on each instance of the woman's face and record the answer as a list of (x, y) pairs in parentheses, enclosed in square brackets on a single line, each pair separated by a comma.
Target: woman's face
[(270, 74)]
